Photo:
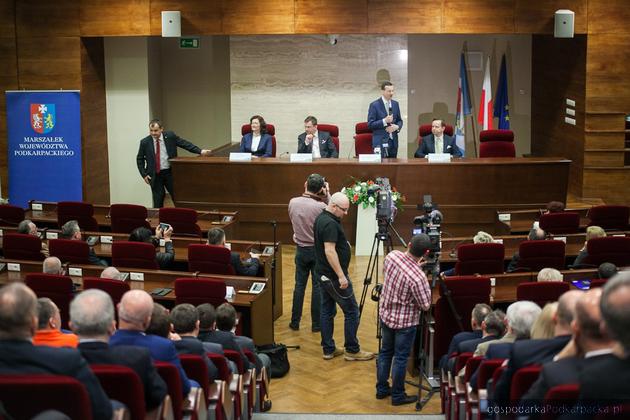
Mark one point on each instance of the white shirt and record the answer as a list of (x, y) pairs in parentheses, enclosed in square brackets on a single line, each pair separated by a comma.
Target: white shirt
[(439, 144), (255, 142), (387, 104), (163, 153), (315, 141)]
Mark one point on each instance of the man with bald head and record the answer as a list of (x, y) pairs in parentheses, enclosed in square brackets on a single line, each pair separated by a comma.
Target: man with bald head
[(111, 273), (332, 258), (134, 316), (52, 265), (27, 227), (18, 355)]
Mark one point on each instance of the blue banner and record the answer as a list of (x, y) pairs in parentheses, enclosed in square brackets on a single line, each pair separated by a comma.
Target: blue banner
[(44, 133), (501, 102)]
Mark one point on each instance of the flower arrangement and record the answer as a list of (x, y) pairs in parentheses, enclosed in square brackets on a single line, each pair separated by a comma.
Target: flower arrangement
[(357, 193)]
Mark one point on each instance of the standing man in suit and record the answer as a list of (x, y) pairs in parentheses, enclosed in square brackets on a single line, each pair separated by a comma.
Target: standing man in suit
[(319, 143), (385, 121), (152, 159), (438, 142)]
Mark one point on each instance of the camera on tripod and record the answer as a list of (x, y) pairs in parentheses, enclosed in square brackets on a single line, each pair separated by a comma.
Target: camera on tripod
[(430, 224), (382, 193)]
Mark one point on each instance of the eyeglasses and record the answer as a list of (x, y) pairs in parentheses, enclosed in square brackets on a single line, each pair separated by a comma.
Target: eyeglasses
[(341, 208)]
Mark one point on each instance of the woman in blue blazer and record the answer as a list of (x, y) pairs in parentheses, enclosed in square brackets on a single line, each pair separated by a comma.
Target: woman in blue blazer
[(258, 137)]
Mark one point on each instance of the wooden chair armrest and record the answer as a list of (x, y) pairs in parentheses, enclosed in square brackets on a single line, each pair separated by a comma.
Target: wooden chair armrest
[(194, 403), (214, 391), (460, 387), (227, 401), (163, 412), (471, 395)]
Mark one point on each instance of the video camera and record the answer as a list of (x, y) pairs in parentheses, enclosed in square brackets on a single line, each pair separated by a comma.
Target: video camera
[(382, 193), (430, 223)]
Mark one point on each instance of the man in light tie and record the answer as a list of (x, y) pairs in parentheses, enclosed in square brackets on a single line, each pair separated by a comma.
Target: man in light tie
[(385, 121), (319, 143), (437, 142)]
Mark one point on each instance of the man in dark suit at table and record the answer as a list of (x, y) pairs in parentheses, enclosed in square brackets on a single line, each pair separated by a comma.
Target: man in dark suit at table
[(319, 143), (152, 159), (249, 267), (438, 142), (385, 121), (18, 355)]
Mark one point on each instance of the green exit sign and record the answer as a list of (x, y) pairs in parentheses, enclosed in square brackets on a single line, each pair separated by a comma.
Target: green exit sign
[(188, 42)]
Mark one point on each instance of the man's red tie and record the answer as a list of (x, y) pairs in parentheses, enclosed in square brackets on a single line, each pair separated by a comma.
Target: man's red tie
[(157, 156)]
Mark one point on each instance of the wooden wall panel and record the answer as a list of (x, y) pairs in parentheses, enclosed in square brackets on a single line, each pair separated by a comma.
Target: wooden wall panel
[(609, 158), (608, 184), (538, 16), (198, 16), (474, 16), (94, 122), (607, 82), (608, 17), (331, 16), (258, 17), (58, 66), (47, 18), (7, 19), (115, 17), (608, 121), (8, 80), (404, 16), (604, 140)]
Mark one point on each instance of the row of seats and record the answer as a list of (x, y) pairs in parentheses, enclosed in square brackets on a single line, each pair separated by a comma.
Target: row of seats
[(608, 217)]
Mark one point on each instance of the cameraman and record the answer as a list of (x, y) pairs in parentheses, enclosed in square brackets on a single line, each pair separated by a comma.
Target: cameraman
[(405, 293)]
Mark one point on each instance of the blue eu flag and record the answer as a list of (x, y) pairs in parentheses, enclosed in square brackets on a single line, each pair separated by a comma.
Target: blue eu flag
[(501, 103)]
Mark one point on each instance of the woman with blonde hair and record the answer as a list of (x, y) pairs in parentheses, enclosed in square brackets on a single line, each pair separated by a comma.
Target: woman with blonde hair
[(591, 233), (544, 326)]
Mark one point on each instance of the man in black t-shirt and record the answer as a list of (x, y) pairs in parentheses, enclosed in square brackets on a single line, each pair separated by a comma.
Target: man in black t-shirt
[(332, 257)]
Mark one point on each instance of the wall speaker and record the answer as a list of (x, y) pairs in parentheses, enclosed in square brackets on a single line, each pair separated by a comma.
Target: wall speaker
[(563, 27), (171, 24)]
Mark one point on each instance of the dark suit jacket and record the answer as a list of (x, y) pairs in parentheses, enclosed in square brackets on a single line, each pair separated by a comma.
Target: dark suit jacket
[(376, 114), (265, 147), (471, 345), (22, 357), (458, 338), (527, 353), (161, 349), (564, 371), (192, 345), (326, 146), (226, 339), (605, 379), (136, 358), (248, 269), (428, 146), (165, 259), (146, 153), (495, 351)]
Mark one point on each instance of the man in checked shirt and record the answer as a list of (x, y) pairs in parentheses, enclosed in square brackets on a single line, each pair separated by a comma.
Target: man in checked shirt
[(405, 293)]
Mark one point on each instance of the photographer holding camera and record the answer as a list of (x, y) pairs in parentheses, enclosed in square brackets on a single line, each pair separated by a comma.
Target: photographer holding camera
[(405, 293)]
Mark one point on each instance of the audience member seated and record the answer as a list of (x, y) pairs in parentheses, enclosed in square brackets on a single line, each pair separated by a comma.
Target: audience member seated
[(518, 320), (554, 207), (92, 319), (591, 232), (477, 316), (27, 227), (549, 274), (588, 346), (606, 270), (52, 265), (164, 259), (480, 238), (534, 352), (544, 326), (535, 234), (207, 316), (134, 315), (184, 320), (249, 267), (111, 273), (49, 326), (606, 379), (71, 230), (18, 355)]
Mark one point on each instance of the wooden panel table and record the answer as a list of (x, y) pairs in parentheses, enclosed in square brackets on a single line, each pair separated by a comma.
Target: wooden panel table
[(468, 191)]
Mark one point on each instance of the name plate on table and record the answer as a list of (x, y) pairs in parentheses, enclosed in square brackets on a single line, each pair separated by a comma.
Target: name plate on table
[(439, 157), (301, 157), (240, 157), (370, 158)]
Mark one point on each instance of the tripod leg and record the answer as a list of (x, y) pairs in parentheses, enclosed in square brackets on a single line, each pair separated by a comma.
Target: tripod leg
[(372, 265)]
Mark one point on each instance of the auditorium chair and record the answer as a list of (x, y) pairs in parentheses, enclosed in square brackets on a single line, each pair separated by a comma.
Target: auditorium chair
[(363, 144), (496, 143), (466, 405), (541, 292), (559, 396), (453, 400), (483, 258), (200, 290), (197, 370), (195, 407), (333, 130), (57, 288), (271, 130), (262, 382), (245, 380), (127, 217), (466, 292), (114, 288), (82, 212), (210, 259), (224, 407), (20, 246), (121, 383), (486, 370), (612, 249), (609, 217), (522, 380), (25, 396), (539, 254), (183, 221), (598, 283), (362, 128), (134, 255), (69, 251), (561, 222), (11, 215)]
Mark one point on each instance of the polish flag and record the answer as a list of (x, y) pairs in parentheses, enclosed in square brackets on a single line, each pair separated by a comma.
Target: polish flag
[(485, 106)]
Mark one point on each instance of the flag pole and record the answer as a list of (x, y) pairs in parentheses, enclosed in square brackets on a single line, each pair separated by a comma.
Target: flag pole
[(472, 121)]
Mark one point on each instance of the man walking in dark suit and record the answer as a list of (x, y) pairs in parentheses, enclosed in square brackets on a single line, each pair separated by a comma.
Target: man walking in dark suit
[(438, 142), (152, 159), (319, 143), (92, 319), (385, 121)]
